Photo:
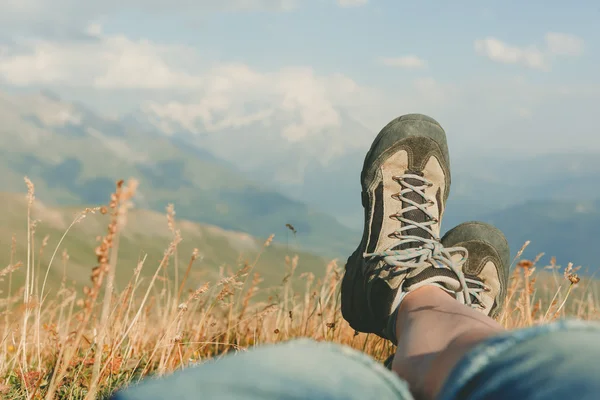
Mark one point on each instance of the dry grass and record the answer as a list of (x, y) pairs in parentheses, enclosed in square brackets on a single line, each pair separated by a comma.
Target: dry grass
[(73, 345)]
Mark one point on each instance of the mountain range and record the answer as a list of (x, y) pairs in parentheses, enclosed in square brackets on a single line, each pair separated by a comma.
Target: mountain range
[(522, 193), (524, 187), (256, 177), (74, 157)]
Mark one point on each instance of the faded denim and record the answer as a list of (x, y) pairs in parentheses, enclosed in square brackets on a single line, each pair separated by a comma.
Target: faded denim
[(555, 361)]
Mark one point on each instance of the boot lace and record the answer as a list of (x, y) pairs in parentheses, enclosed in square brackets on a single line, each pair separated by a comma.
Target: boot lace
[(425, 251)]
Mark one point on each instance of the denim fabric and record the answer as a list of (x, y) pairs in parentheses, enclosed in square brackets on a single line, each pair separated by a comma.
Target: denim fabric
[(300, 369), (556, 361)]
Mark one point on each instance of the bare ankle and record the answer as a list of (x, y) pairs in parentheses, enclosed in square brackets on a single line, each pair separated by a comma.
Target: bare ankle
[(434, 331)]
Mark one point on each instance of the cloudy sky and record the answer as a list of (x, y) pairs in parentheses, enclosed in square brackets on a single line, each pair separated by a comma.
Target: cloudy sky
[(515, 75)]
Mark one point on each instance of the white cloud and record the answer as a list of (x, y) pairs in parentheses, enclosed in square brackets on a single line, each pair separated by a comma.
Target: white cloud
[(557, 44), (105, 62), (219, 96), (352, 3), (296, 100), (409, 62), (564, 44), (501, 52), (292, 112), (181, 90)]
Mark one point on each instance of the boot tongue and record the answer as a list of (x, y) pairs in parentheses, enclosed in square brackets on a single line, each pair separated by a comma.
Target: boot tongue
[(414, 215)]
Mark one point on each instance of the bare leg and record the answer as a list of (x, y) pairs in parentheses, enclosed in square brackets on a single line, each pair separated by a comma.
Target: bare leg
[(434, 331)]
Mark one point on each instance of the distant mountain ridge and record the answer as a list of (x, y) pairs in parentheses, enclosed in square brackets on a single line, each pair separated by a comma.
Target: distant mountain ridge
[(520, 193), (75, 156), (566, 230)]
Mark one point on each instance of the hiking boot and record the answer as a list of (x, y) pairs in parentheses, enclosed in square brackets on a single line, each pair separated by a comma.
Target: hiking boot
[(405, 183), (488, 262)]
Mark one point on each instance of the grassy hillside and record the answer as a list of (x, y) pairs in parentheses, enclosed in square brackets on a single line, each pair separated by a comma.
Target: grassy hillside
[(69, 343), (145, 234)]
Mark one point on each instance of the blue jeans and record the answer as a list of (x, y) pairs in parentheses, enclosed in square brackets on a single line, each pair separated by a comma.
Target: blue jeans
[(555, 361)]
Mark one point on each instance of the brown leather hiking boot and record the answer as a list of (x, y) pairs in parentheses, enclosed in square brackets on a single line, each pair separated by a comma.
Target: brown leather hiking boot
[(487, 262), (405, 184)]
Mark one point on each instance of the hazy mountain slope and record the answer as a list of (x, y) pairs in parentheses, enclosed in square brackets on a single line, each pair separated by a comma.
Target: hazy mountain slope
[(519, 193), (145, 233), (323, 170), (567, 230), (75, 156), (484, 185), (313, 163)]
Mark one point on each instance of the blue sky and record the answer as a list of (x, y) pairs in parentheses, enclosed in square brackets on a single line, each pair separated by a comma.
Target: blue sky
[(349, 40), (515, 75)]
